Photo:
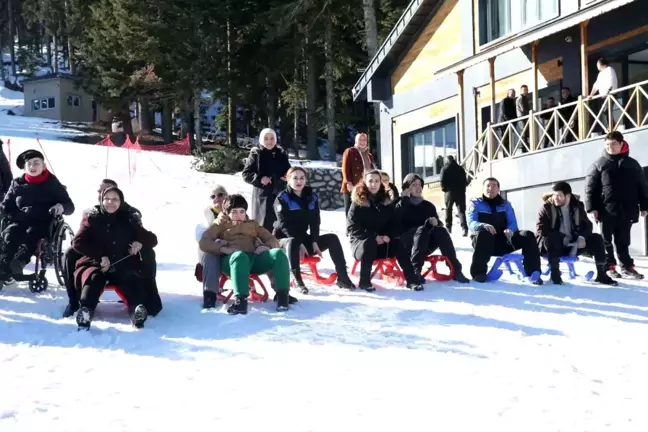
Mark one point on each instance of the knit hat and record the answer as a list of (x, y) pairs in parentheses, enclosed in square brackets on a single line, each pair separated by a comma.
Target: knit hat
[(218, 190), (411, 178), (23, 157), (562, 186), (235, 201)]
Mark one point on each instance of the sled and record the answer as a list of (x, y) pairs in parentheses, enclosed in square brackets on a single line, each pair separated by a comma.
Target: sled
[(508, 261), (433, 260), (570, 261), (118, 291), (386, 269), (258, 291), (313, 274)]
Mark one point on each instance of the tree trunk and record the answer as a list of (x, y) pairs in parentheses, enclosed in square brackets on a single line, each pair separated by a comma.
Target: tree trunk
[(198, 119), (68, 30), (271, 95), (55, 41), (231, 106), (12, 38), (311, 103), (167, 122), (371, 35), (330, 86), (145, 116)]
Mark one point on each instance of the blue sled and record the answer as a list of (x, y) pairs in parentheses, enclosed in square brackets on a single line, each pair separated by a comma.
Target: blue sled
[(570, 261), (496, 272)]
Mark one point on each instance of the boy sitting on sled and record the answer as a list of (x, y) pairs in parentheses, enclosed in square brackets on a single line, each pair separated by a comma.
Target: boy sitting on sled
[(246, 247)]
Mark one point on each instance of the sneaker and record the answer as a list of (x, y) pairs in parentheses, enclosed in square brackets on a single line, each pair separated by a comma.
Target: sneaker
[(538, 282), (209, 299), (613, 273), (239, 307), (83, 319), (415, 286), (139, 316), (70, 310), (345, 283), (631, 273), (283, 301)]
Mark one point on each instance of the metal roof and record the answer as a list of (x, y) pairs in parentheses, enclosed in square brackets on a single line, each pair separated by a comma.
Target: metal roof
[(49, 76)]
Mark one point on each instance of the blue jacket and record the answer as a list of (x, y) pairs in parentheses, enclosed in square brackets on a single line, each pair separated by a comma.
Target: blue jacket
[(499, 214)]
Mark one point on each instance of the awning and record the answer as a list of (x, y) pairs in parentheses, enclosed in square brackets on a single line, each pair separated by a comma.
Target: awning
[(536, 34)]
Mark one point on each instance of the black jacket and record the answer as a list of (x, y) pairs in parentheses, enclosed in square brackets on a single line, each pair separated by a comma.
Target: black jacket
[(507, 110), (5, 172), (413, 216), (616, 186), (296, 215), (262, 162), (370, 217), (133, 212), (29, 204), (549, 219), (453, 178)]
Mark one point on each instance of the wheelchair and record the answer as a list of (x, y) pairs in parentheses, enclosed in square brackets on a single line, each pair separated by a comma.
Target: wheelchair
[(49, 251)]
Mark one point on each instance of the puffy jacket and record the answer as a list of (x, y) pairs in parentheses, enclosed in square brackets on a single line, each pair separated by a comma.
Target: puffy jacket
[(496, 212), (370, 217)]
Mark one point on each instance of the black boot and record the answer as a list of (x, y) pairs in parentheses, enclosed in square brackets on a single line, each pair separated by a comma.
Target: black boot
[(84, 318), (556, 277), (298, 282), (209, 299), (465, 232), (344, 282), (602, 276), (283, 301), (460, 277), (139, 316), (366, 285), (239, 307), (291, 299), (70, 310)]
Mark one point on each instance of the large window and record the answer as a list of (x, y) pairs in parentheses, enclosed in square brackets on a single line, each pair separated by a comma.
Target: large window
[(429, 147), (503, 17), (43, 104)]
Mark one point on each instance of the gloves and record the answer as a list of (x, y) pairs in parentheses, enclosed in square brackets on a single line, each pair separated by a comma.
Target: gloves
[(57, 210)]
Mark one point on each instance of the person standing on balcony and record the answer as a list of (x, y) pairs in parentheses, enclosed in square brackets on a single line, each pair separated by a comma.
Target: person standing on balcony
[(453, 183), (356, 161), (616, 192), (507, 112), (522, 108), (566, 113), (606, 81)]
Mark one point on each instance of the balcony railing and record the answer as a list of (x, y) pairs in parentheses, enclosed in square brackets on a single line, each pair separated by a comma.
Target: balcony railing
[(622, 109)]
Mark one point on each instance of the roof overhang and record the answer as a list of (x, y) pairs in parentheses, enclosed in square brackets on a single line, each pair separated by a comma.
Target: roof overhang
[(408, 27)]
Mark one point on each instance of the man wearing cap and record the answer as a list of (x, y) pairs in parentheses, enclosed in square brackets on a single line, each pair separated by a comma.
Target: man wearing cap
[(564, 229), (30, 204)]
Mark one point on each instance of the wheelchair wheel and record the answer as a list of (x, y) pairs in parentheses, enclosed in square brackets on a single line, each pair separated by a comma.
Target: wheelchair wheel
[(63, 233), (38, 285)]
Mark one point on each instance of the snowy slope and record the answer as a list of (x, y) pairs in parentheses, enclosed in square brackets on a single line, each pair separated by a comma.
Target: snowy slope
[(495, 357)]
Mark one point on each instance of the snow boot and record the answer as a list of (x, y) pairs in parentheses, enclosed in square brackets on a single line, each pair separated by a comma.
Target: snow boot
[(555, 275), (366, 286), (209, 299), (460, 277), (283, 301), (480, 278), (631, 273), (84, 318), (415, 286), (298, 282), (239, 307), (291, 299), (70, 310), (139, 315), (602, 276), (344, 282), (613, 273)]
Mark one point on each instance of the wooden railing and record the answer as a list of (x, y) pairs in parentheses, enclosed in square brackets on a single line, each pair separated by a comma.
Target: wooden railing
[(623, 109)]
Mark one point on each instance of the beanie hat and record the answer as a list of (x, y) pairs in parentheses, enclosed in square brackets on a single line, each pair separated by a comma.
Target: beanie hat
[(411, 178), (562, 186), (23, 157), (235, 201)]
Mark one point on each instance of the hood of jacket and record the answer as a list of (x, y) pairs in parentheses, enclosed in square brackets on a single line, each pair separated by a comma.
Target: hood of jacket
[(360, 195), (548, 198)]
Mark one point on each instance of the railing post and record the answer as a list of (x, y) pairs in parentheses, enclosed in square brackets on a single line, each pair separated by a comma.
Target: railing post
[(582, 120), (533, 138), (490, 142), (639, 106)]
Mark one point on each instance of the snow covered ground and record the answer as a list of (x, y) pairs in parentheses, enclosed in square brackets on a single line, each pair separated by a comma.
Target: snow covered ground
[(493, 357)]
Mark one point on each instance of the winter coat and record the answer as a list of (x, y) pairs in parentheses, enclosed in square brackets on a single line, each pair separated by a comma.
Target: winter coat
[(496, 212), (260, 163), (507, 110), (243, 236), (353, 168), (297, 215), (5, 173), (549, 218), (370, 217), (615, 186), (211, 213), (108, 235), (453, 178), (413, 216), (566, 112), (132, 211), (29, 204)]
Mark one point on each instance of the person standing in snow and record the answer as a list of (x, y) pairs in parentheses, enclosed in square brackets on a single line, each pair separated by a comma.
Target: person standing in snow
[(265, 169), (564, 229), (495, 232), (5, 172), (616, 192), (356, 161), (454, 183)]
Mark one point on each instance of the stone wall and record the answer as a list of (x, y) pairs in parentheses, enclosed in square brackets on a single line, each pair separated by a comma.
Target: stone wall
[(326, 183)]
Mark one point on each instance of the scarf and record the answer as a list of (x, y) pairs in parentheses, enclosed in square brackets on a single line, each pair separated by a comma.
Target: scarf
[(39, 179), (416, 200), (366, 161)]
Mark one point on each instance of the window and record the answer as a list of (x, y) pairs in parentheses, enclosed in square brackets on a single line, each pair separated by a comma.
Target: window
[(74, 100), (429, 147), (43, 104), (499, 18)]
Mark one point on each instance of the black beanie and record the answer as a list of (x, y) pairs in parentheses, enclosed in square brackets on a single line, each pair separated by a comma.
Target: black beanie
[(23, 157), (411, 178), (563, 187), (235, 201)]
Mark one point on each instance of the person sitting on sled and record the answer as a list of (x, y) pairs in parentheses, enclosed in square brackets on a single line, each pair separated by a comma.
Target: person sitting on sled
[(217, 197), (494, 232), (30, 205), (563, 228), (246, 247), (297, 228), (110, 240)]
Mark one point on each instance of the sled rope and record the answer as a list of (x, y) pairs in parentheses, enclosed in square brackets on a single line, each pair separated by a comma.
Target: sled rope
[(49, 164)]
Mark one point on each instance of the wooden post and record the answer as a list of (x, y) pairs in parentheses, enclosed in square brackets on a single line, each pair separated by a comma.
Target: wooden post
[(461, 132), (491, 64), (534, 69), (584, 117)]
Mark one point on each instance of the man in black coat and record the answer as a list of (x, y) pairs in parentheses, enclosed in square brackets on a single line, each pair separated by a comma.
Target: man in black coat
[(615, 192), (453, 183)]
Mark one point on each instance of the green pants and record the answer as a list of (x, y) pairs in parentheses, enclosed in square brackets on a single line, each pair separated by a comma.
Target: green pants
[(239, 265)]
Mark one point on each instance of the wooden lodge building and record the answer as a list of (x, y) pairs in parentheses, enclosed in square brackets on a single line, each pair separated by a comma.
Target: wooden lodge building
[(442, 72)]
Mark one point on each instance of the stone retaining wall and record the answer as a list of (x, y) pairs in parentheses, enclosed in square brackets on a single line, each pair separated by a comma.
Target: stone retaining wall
[(326, 183)]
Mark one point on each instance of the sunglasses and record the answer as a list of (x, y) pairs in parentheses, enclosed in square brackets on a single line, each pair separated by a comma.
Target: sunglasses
[(218, 195)]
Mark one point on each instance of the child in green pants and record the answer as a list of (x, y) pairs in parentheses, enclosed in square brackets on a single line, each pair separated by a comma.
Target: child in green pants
[(246, 247)]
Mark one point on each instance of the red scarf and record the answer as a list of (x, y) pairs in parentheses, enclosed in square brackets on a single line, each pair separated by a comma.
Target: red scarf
[(41, 178)]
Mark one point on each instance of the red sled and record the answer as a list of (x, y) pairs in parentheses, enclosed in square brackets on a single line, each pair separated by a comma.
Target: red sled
[(258, 291), (433, 260), (313, 274), (386, 269), (117, 291)]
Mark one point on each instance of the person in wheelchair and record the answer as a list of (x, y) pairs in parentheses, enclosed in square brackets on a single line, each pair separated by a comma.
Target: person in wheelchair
[(32, 202), (246, 247), (297, 229), (110, 241), (373, 229), (152, 299), (422, 230)]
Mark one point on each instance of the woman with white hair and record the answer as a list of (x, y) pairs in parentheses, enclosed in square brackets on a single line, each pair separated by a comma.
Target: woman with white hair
[(265, 169)]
